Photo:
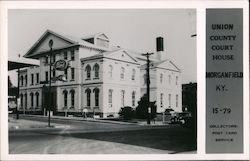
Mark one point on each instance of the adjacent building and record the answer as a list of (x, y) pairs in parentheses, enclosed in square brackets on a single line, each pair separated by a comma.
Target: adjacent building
[(100, 78)]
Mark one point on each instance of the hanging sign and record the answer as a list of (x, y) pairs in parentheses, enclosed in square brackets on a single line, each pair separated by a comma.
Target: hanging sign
[(61, 65)]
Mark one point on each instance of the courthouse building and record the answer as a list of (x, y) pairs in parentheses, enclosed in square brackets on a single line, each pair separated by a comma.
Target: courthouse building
[(100, 77)]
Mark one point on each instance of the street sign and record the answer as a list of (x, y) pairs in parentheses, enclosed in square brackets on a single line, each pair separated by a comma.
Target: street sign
[(61, 65)]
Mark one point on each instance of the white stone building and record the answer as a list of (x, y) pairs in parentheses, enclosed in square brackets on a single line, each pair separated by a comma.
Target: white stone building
[(100, 78)]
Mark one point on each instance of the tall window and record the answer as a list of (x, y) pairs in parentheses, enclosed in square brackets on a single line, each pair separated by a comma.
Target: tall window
[(54, 73), (72, 98), (122, 97), (88, 91), (110, 70), (88, 71), (65, 95), (21, 97), (96, 70), (161, 99), (46, 59), (133, 74), (161, 77), (32, 99), (66, 73), (133, 98), (53, 58), (177, 100), (110, 97), (122, 72), (21, 80), (72, 73), (96, 91), (145, 78), (26, 80), (169, 79), (32, 79), (47, 76), (25, 100), (169, 100), (176, 80), (65, 55), (72, 55), (37, 99), (37, 78)]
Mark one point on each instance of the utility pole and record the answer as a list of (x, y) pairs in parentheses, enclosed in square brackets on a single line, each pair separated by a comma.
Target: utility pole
[(148, 86), (50, 55), (17, 94)]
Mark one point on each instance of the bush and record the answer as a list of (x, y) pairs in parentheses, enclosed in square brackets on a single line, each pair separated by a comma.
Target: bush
[(127, 113), (142, 109)]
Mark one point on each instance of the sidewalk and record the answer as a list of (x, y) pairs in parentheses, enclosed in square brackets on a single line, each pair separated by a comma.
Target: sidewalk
[(140, 123), (15, 124)]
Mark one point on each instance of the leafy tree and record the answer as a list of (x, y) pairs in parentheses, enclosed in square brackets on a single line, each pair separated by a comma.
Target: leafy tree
[(142, 108), (127, 113)]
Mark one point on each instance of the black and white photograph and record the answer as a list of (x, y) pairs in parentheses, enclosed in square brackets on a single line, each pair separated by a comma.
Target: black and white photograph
[(102, 81)]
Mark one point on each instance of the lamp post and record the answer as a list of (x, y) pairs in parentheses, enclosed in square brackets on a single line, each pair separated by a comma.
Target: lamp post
[(148, 86), (50, 55)]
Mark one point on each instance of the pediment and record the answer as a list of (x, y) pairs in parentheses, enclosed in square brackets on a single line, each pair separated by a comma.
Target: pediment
[(168, 65), (102, 36), (42, 44), (122, 55)]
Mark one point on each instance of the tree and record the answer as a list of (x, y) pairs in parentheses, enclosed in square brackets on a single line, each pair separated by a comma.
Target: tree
[(127, 113), (142, 108)]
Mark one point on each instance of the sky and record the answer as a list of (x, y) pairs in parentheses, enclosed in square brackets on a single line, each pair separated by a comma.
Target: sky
[(133, 29)]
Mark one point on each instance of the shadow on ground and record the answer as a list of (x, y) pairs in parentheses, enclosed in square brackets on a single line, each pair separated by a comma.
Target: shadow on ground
[(176, 139)]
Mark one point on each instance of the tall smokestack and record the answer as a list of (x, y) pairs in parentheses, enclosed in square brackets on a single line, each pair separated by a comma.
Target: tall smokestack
[(159, 47)]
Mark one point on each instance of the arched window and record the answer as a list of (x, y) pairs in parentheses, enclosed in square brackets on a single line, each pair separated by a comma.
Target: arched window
[(32, 99), (65, 96), (21, 80), (133, 98), (96, 91), (110, 70), (21, 99), (88, 91), (88, 71), (110, 95), (96, 70), (37, 99), (122, 72), (133, 74), (72, 92), (161, 77)]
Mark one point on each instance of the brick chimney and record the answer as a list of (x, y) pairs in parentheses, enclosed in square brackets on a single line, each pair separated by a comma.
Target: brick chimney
[(159, 47)]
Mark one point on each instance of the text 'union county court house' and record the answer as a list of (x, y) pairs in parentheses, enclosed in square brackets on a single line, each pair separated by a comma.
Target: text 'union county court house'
[(100, 77)]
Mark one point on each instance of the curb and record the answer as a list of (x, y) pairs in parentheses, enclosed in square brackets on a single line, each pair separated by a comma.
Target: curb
[(87, 120)]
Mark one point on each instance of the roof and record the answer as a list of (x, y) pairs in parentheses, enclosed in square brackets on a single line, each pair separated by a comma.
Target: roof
[(71, 39), (108, 53), (17, 63), (157, 64)]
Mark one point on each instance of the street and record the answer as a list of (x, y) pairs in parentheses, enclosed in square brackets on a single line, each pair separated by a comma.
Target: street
[(83, 137)]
